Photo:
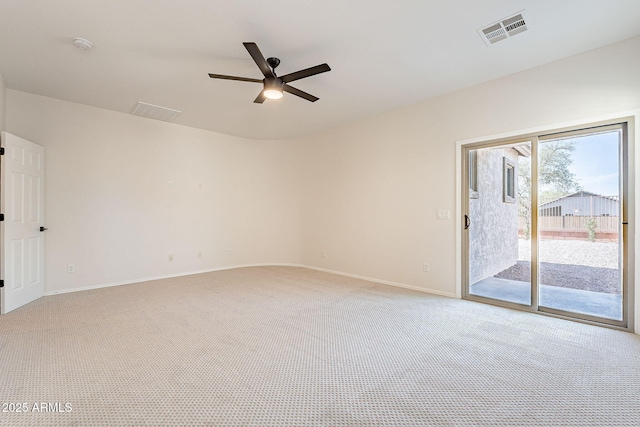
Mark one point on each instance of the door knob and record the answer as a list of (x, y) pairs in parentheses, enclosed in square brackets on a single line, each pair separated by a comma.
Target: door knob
[(43, 229)]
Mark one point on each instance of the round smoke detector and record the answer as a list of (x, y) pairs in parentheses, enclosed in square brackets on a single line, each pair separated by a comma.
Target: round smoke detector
[(81, 43)]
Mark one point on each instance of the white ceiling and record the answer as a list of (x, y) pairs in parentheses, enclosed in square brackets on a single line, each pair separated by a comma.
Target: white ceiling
[(384, 54)]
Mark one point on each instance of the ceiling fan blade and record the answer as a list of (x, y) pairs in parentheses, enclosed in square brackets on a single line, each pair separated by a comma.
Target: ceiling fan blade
[(292, 90), (242, 79), (323, 68), (260, 98), (257, 56)]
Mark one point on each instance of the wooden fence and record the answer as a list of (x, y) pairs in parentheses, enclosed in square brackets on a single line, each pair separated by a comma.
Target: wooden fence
[(575, 227), (606, 224)]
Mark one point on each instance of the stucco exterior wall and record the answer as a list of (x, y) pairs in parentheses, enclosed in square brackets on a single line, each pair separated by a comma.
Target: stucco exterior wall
[(493, 243)]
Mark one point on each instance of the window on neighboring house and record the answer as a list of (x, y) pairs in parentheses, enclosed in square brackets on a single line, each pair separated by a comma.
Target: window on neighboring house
[(508, 180), (473, 174)]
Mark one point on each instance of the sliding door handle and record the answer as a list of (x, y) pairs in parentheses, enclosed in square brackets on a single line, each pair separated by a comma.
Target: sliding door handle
[(467, 222)]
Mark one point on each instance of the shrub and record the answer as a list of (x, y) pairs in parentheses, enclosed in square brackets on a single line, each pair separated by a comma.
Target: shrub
[(591, 224)]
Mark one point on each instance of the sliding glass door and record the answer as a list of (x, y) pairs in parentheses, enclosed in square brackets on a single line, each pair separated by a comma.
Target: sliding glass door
[(545, 220), (579, 223)]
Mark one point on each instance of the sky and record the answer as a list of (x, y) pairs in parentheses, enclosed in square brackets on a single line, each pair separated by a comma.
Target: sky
[(596, 163)]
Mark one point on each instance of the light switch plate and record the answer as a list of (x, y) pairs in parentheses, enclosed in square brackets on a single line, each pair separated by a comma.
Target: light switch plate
[(443, 214)]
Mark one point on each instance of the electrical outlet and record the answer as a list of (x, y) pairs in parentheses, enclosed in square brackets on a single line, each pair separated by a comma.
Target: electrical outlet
[(324, 253), (170, 257), (426, 267), (71, 268), (170, 184)]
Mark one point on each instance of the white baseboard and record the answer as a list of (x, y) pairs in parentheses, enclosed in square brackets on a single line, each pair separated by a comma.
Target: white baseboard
[(169, 276), (383, 282)]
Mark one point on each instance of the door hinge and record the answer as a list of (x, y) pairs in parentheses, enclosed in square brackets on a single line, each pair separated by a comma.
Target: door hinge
[(1, 151), (1, 283), (1, 217)]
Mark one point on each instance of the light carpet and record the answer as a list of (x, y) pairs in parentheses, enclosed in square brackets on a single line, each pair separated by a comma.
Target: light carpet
[(284, 346)]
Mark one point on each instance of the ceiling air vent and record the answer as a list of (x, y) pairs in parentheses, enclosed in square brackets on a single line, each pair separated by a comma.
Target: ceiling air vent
[(503, 29), (155, 112)]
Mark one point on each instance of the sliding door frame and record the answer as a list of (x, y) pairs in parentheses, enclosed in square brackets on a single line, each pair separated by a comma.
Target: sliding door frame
[(506, 142), (626, 125)]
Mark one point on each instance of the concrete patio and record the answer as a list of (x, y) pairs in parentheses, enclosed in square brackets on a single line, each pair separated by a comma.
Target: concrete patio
[(608, 306)]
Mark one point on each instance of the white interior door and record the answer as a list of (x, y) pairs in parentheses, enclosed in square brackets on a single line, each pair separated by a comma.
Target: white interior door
[(22, 203)]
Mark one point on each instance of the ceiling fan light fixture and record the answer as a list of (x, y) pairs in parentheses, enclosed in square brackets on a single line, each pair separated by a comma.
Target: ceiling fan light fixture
[(272, 93), (273, 89)]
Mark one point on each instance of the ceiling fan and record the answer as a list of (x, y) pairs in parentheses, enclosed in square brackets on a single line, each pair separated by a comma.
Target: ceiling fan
[(274, 85)]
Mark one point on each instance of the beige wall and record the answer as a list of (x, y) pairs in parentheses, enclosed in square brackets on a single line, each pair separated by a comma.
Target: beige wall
[(110, 211), (3, 103), (376, 185)]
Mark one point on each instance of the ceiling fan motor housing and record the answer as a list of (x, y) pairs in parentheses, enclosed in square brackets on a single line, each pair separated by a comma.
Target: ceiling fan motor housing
[(273, 84)]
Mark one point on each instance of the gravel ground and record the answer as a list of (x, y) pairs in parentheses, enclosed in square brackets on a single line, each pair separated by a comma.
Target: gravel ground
[(577, 252), (577, 264)]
